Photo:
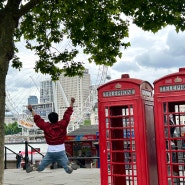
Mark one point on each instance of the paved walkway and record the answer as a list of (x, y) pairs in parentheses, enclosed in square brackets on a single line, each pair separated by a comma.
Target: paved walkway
[(82, 176)]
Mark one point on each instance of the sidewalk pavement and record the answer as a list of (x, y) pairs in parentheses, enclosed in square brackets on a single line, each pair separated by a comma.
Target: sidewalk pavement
[(81, 176)]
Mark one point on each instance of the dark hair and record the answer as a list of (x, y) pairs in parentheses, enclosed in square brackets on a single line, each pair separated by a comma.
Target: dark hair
[(53, 117)]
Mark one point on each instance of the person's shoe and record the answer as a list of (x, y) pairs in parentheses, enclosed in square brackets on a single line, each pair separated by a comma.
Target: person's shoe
[(73, 166), (70, 169), (36, 165), (30, 168)]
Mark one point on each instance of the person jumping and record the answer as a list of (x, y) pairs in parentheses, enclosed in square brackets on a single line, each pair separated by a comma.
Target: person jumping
[(55, 133)]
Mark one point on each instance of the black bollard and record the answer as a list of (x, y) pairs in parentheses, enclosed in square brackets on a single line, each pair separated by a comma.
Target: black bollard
[(26, 158)]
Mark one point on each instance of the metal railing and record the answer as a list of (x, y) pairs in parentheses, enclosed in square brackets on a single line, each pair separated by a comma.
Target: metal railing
[(28, 160), (27, 154), (5, 160)]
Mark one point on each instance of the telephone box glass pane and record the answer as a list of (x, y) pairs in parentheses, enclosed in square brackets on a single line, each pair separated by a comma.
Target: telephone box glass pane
[(174, 134), (106, 111)]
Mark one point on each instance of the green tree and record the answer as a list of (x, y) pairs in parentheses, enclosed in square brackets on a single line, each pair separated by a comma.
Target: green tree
[(12, 128), (97, 26), (87, 122)]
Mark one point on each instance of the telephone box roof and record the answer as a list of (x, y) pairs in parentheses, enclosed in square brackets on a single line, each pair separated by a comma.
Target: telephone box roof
[(126, 78), (181, 72)]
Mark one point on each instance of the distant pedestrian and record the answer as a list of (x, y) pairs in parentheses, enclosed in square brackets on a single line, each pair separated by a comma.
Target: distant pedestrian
[(18, 159), (55, 133)]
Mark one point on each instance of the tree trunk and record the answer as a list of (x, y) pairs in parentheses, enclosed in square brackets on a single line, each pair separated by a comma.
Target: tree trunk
[(7, 26), (2, 114)]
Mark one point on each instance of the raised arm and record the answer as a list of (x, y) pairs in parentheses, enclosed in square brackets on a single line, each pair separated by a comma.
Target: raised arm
[(68, 113), (37, 119)]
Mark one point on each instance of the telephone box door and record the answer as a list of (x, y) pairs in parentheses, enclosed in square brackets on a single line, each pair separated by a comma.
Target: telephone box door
[(121, 141), (172, 133), (170, 128)]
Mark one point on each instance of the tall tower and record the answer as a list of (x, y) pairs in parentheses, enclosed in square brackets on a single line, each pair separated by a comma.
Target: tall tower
[(32, 100), (46, 91), (77, 87)]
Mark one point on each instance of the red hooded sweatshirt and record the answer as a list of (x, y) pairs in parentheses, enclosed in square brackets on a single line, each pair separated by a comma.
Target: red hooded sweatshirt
[(55, 133)]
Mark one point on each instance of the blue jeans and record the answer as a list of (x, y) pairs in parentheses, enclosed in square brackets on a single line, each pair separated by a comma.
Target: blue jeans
[(18, 165), (59, 157)]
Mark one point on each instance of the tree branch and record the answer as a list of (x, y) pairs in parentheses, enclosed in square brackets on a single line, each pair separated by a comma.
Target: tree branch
[(27, 7)]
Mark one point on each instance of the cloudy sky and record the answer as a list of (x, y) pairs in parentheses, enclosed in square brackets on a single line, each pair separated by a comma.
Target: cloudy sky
[(152, 56), (149, 57)]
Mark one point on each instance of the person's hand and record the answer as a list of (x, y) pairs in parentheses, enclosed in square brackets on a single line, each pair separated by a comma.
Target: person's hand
[(31, 110), (72, 100), (29, 107)]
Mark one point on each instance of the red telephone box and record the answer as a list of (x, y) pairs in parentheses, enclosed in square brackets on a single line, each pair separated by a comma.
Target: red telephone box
[(127, 133), (169, 101)]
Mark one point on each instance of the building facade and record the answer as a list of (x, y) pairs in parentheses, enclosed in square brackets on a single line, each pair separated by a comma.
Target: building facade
[(32, 100), (77, 87), (46, 91)]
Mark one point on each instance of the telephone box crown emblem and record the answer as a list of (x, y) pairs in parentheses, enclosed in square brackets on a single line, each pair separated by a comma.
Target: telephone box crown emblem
[(178, 80), (118, 86)]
